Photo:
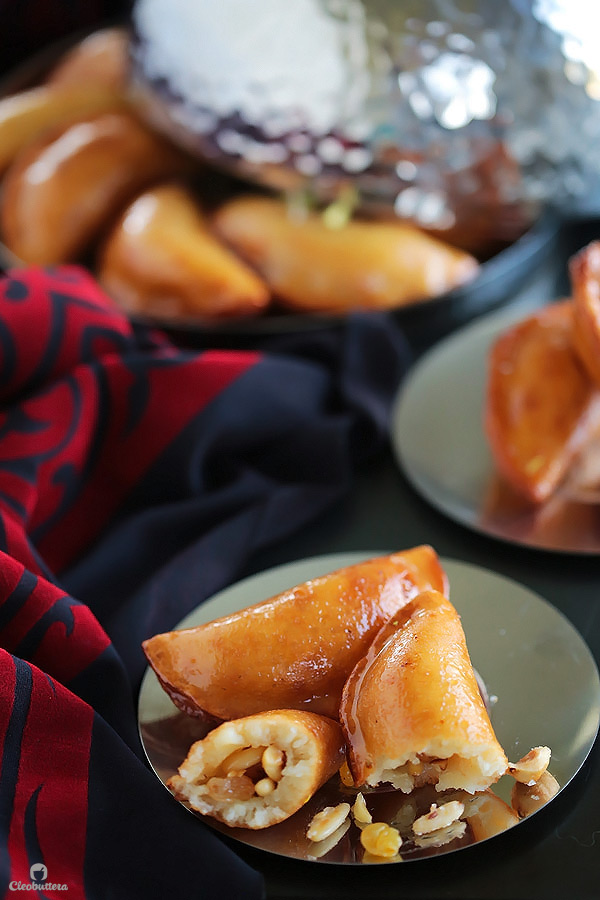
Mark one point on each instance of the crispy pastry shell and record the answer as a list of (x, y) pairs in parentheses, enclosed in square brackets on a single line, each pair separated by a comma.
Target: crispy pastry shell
[(161, 259), (541, 405), (412, 711), (66, 186), (295, 650), (312, 267), (313, 748)]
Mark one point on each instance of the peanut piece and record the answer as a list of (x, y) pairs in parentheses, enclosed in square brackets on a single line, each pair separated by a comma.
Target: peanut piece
[(322, 848), (361, 814), (272, 762), (381, 839), (438, 817), (528, 798), (240, 760), (327, 821), (442, 835), (265, 786), (531, 767)]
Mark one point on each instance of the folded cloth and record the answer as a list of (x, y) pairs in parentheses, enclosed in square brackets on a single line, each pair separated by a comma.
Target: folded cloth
[(136, 479)]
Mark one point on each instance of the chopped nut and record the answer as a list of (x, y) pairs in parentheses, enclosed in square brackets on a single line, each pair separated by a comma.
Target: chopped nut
[(272, 762), (528, 798), (438, 817), (381, 839), (442, 836), (322, 848), (240, 760), (531, 767), (265, 786), (361, 814), (327, 821)]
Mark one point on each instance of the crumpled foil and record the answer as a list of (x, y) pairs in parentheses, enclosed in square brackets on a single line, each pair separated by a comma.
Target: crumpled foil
[(465, 117)]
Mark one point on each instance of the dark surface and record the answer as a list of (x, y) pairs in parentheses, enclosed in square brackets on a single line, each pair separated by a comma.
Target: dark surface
[(557, 854)]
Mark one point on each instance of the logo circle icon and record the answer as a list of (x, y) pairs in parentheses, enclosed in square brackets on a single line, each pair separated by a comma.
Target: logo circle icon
[(38, 873)]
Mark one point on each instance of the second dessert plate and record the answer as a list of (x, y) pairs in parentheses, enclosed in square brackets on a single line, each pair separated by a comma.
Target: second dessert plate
[(440, 445)]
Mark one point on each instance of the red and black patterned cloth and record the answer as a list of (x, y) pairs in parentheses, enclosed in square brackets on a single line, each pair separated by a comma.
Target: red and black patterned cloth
[(136, 479)]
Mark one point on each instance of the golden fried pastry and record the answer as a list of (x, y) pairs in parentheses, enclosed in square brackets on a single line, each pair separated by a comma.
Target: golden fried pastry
[(161, 259), (540, 404), (295, 650), (584, 269), (259, 770), (412, 711), (27, 115), (65, 188), (362, 265), (101, 58)]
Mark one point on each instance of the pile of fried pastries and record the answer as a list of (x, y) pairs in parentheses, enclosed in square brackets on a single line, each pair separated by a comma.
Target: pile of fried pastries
[(86, 176), (361, 675), (542, 401)]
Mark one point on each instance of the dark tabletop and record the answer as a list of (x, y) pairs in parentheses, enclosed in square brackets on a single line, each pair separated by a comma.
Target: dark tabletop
[(557, 854)]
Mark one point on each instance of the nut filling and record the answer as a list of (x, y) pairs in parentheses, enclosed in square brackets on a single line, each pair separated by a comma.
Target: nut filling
[(248, 772), (257, 771)]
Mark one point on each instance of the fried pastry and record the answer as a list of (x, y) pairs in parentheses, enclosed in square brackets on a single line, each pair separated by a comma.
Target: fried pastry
[(411, 710), (540, 404), (64, 188), (256, 771), (161, 259), (101, 58), (294, 650), (584, 269), (25, 116), (363, 265)]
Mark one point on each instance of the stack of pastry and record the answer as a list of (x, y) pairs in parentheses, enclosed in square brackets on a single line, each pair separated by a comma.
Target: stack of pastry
[(542, 401), (87, 176), (365, 669)]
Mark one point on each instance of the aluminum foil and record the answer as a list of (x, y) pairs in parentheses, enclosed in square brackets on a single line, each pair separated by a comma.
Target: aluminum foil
[(465, 117)]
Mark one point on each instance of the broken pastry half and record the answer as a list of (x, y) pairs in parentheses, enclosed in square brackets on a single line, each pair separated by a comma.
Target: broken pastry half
[(294, 650), (412, 711), (258, 770)]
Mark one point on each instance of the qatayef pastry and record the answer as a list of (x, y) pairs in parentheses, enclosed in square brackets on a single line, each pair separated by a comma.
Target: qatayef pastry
[(541, 406), (295, 650), (412, 711), (259, 770)]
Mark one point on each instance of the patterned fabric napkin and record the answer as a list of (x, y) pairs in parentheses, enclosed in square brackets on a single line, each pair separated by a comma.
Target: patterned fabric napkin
[(136, 479)]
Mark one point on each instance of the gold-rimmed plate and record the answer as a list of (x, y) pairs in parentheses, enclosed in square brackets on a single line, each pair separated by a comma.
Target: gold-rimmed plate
[(440, 445), (538, 671)]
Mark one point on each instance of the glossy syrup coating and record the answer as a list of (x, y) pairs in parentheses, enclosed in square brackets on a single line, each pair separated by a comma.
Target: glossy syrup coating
[(161, 258), (413, 704), (65, 187), (541, 405), (296, 649), (584, 270)]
